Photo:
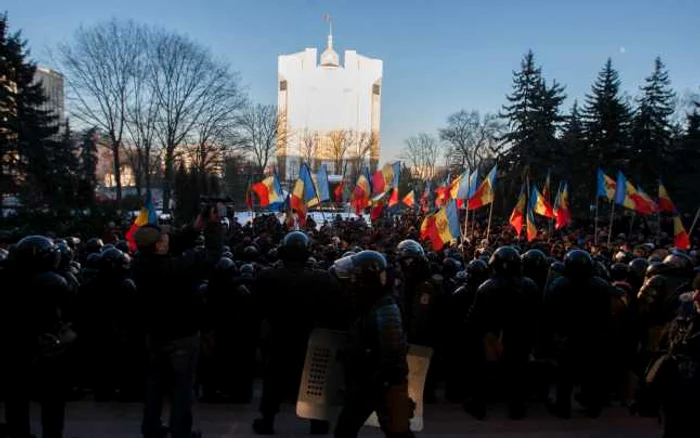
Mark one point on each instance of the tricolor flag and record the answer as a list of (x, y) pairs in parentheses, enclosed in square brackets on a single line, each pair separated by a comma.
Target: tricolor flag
[(518, 215), (546, 191), (473, 183), (484, 194), (394, 198), (302, 193), (606, 186), (386, 178), (359, 198), (410, 199), (531, 227), (442, 193), (665, 203), (269, 191), (147, 216), (339, 191), (425, 198), (442, 227), (680, 236), (629, 197), (539, 204), (561, 206)]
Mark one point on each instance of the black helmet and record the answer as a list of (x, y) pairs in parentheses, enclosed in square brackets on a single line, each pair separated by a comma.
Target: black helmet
[(623, 257), (349, 253), (365, 267), (93, 245), (37, 253), (107, 247), (638, 267), (505, 261), (409, 248), (462, 277), (295, 247), (66, 253), (226, 268), (225, 248), (656, 268), (113, 260), (247, 271), (557, 267), (534, 260), (655, 258), (250, 253), (450, 267), (199, 240), (273, 255), (600, 270), (619, 272), (477, 271), (93, 260), (679, 261), (227, 254), (123, 246), (578, 264)]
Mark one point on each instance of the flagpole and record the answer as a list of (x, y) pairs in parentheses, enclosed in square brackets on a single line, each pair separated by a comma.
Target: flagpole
[(612, 216), (595, 223), (466, 219), (692, 227), (488, 227), (658, 227)]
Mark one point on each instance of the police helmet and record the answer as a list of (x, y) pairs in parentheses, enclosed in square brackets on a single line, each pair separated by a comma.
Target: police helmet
[(226, 267), (619, 272), (93, 260), (505, 261), (450, 267), (409, 248), (250, 253), (655, 268), (680, 261), (66, 252), (93, 245), (295, 247), (638, 267), (123, 246), (534, 260), (37, 253), (578, 264), (477, 271), (366, 267), (247, 271), (113, 260)]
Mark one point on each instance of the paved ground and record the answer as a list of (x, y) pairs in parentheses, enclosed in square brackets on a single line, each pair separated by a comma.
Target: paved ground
[(119, 420)]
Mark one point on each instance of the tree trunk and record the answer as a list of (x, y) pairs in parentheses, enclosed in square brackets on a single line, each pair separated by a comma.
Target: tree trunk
[(167, 178), (117, 169)]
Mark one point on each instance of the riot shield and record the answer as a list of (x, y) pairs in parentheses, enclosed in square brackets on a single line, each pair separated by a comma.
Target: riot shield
[(323, 379), (418, 359)]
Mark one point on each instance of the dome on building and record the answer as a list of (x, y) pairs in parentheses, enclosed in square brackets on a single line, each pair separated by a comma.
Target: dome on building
[(329, 57)]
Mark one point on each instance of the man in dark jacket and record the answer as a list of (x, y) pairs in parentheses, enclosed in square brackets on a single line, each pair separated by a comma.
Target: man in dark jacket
[(171, 308)]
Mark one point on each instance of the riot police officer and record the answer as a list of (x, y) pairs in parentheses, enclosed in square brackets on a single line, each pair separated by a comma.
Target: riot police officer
[(36, 335), (292, 300), (534, 264), (577, 319), (377, 371), (504, 318)]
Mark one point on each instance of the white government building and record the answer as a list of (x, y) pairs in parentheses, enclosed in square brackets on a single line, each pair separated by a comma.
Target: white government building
[(328, 113)]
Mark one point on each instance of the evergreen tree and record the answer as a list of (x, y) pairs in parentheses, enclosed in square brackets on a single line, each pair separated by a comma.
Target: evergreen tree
[(29, 146), (652, 129), (686, 161), (88, 165), (577, 163), (607, 120), (533, 115)]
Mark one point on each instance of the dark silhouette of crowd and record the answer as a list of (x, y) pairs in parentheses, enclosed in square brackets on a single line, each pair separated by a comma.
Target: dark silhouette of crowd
[(202, 311)]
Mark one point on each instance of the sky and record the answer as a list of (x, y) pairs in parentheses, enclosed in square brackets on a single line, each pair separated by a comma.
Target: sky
[(439, 56)]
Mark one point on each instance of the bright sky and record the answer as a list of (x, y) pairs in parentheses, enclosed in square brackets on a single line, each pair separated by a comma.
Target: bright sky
[(439, 55)]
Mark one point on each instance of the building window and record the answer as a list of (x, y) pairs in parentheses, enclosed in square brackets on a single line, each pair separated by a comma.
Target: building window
[(376, 88), (283, 85)]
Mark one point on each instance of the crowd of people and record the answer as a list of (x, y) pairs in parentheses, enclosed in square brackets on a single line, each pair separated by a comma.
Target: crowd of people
[(198, 312)]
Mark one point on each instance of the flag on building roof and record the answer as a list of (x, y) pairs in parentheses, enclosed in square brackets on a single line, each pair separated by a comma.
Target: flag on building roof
[(442, 227)]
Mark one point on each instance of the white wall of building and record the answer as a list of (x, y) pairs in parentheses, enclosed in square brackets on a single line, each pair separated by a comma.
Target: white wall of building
[(321, 98)]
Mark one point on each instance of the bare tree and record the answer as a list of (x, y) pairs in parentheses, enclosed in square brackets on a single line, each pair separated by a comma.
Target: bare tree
[(258, 133), (99, 67), (309, 145), (421, 152), (185, 79), (471, 138), (361, 148), (339, 142)]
